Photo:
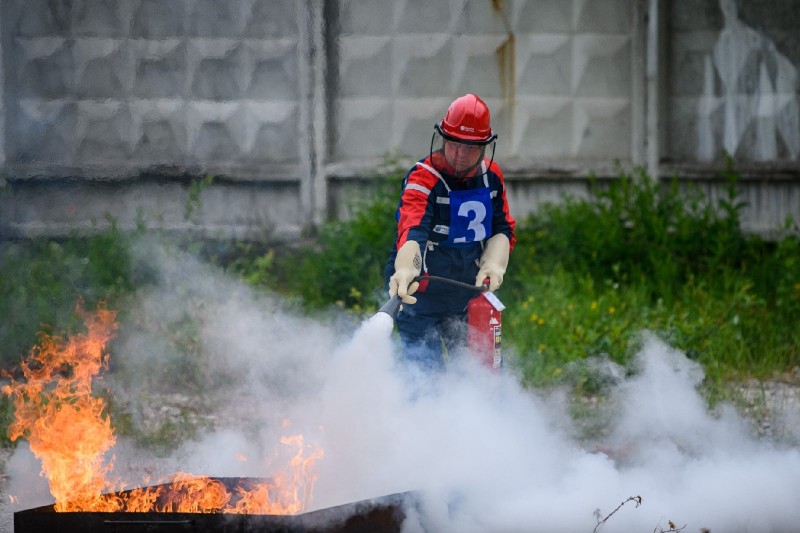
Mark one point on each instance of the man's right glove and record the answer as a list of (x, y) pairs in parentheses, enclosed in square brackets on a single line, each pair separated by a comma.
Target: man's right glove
[(494, 261), (407, 266)]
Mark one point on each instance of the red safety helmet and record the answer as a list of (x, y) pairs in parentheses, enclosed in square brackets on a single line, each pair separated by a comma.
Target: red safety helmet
[(467, 120), (459, 141)]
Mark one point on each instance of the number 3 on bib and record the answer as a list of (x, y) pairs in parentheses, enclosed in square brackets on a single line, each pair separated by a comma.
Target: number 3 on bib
[(470, 215)]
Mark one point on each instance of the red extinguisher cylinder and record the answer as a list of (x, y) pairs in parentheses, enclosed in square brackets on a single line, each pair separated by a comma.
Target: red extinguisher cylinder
[(484, 329)]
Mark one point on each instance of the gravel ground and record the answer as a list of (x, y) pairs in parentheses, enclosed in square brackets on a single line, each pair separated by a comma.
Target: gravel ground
[(772, 407)]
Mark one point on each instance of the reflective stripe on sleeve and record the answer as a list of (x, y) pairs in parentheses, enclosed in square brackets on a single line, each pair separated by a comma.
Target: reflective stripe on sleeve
[(420, 188)]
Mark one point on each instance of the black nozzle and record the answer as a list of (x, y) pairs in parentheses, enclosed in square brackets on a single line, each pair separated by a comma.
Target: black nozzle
[(392, 307)]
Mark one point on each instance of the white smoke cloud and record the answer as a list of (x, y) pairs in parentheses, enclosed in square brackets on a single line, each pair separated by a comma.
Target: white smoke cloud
[(479, 451)]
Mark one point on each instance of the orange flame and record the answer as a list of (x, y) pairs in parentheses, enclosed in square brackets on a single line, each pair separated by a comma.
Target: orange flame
[(69, 430), (66, 426)]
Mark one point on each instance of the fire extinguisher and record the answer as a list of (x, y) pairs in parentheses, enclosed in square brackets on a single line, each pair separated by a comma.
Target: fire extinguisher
[(484, 319), (484, 327)]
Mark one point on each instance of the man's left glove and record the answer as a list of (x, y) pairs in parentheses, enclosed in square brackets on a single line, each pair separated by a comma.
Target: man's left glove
[(407, 266), (494, 261)]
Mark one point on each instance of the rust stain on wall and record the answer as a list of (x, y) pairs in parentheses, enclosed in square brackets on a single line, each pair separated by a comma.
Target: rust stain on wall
[(506, 54), (506, 64)]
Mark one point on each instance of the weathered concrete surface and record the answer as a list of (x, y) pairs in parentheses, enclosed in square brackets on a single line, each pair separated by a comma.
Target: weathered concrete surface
[(309, 93)]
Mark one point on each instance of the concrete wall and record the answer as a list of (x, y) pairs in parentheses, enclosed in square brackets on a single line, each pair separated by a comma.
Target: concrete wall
[(119, 107)]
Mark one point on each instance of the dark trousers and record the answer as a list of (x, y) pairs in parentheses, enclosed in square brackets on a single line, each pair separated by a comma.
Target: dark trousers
[(428, 339)]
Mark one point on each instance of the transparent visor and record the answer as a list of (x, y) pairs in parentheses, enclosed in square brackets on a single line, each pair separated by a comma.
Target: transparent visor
[(458, 159)]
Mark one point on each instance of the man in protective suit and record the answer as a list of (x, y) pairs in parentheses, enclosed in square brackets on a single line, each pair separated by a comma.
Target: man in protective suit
[(453, 221)]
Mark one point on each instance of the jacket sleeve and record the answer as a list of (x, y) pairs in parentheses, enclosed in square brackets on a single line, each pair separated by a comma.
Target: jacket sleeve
[(415, 211), (502, 221)]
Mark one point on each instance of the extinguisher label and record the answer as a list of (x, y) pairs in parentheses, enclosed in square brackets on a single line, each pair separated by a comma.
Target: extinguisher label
[(494, 300), (497, 361)]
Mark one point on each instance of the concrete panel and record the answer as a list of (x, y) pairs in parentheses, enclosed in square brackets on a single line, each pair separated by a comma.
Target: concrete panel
[(742, 70), (602, 128), (103, 131), (362, 121), (264, 89), (543, 16), (415, 119), (478, 17), (424, 65), (376, 17), (271, 19), (158, 19), (159, 68), (215, 18), (544, 128), (214, 131), (216, 69), (44, 67), (366, 66), (602, 16), (62, 207), (39, 18), (693, 15), (45, 131), (100, 18), (601, 65), (692, 65), (270, 69), (425, 17), (160, 131), (544, 63), (528, 196), (477, 66), (516, 53), (273, 132), (103, 68)]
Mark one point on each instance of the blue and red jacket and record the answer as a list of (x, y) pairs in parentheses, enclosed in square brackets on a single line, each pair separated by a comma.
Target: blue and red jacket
[(451, 219)]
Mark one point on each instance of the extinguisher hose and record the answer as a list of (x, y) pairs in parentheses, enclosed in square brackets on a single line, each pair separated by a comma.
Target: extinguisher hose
[(392, 307), (482, 288)]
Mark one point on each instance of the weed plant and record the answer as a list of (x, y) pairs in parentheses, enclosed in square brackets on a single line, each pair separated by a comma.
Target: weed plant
[(588, 276), (42, 280)]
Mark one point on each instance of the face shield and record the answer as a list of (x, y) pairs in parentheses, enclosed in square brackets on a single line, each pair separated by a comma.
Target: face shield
[(459, 158)]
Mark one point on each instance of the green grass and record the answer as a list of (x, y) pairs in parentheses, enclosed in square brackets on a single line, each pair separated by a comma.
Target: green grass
[(42, 280), (587, 277)]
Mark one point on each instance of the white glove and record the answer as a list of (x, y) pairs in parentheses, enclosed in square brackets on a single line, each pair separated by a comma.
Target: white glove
[(407, 266), (494, 261)]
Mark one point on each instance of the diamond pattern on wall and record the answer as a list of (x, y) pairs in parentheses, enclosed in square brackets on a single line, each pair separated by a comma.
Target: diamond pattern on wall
[(556, 75), (154, 82), (220, 81)]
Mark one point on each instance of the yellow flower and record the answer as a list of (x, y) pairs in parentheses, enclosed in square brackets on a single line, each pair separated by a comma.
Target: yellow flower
[(594, 305), (612, 310), (534, 317), (541, 321)]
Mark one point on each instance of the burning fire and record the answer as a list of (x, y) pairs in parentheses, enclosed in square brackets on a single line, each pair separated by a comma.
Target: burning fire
[(70, 431)]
